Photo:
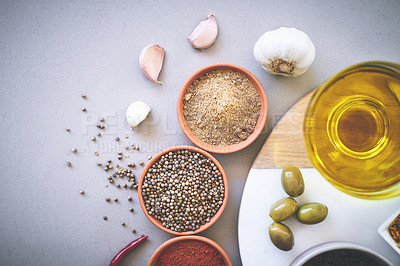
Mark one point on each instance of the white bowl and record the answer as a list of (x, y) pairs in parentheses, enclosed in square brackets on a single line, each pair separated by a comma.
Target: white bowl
[(328, 246), (384, 232)]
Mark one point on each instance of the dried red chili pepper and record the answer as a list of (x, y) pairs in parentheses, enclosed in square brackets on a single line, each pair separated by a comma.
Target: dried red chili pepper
[(131, 246)]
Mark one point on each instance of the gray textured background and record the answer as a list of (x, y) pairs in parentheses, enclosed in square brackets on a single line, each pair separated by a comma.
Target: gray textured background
[(52, 51)]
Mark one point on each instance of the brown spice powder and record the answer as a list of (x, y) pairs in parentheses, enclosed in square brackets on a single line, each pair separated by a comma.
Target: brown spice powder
[(394, 230), (222, 107)]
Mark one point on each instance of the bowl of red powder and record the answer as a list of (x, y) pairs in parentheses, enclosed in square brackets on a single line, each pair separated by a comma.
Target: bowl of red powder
[(190, 250)]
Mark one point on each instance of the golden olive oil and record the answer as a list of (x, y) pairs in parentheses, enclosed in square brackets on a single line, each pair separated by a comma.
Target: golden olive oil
[(352, 130)]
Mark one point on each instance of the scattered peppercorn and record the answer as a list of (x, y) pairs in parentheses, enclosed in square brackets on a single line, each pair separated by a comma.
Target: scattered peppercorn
[(105, 218), (133, 230), (82, 192), (102, 119), (99, 163), (116, 200), (127, 137), (74, 150), (107, 199), (93, 138), (109, 161), (69, 164), (84, 96), (111, 181), (119, 157), (117, 139), (137, 148), (96, 153), (98, 125), (133, 146), (150, 157), (125, 185), (68, 129), (135, 186), (98, 134), (84, 109), (141, 162), (120, 153), (123, 224), (131, 209), (126, 147), (118, 185), (130, 198)]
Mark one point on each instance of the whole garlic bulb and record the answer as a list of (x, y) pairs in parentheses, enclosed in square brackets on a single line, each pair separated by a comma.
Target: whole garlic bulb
[(136, 113), (285, 51)]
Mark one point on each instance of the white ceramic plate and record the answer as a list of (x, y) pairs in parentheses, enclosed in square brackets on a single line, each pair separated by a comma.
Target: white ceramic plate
[(384, 232), (349, 219)]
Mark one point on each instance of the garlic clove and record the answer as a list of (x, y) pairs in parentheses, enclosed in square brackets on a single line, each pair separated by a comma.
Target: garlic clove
[(151, 60), (285, 51), (204, 35), (136, 113)]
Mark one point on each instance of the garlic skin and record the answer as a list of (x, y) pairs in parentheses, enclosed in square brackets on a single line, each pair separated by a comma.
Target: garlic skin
[(136, 113), (204, 35), (151, 60), (285, 51)]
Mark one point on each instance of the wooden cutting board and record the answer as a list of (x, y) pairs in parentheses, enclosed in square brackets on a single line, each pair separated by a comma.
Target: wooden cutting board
[(285, 145), (349, 219)]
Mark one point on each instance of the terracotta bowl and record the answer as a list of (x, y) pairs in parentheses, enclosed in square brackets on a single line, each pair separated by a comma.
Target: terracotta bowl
[(231, 148), (167, 243), (157, 222)]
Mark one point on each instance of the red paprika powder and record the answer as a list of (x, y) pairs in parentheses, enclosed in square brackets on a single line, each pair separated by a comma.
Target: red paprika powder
[(190, 252)]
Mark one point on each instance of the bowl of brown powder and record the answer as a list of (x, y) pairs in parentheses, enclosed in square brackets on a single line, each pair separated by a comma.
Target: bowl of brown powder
[(222, 108)]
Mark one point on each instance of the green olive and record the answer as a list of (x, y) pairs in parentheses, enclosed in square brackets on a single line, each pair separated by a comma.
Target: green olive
[(292, 181), (282, 209), (312, 213), (281, 236)]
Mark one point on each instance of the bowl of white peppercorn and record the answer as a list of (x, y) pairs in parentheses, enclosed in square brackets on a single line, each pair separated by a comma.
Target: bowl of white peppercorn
[(183, 190)]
